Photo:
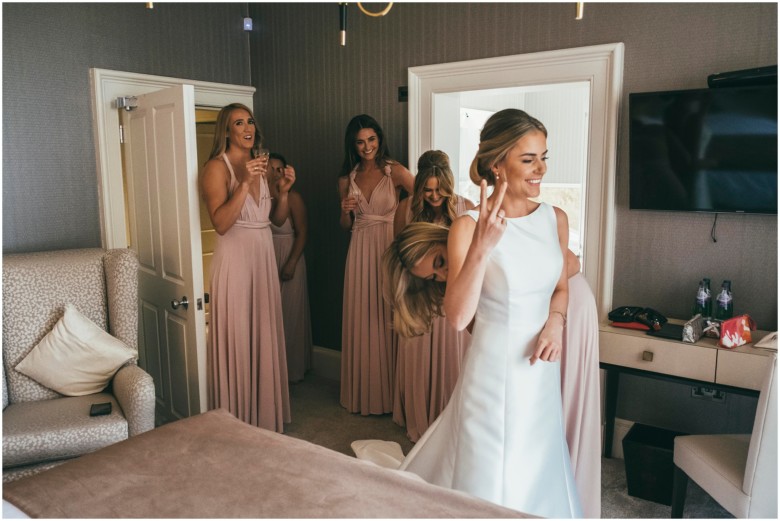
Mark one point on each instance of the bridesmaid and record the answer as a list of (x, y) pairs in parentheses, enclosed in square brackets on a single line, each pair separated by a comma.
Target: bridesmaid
[(247, 364), (369, 187), (428, 365), (289, 242)]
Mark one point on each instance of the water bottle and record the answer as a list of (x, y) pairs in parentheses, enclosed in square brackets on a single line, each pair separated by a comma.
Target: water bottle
[(700, 304), (708, 301), (725, 302)]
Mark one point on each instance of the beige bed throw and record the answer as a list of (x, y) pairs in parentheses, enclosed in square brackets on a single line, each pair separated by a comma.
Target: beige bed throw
[(214, 466)]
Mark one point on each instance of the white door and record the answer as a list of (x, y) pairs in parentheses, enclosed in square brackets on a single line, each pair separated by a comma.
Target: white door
[(161, 168)]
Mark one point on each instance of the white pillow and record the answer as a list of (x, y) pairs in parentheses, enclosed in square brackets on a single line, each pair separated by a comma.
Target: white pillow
[(76, 357)]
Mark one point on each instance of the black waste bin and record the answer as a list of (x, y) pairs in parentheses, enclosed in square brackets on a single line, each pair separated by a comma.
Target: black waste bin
[(648, 453)]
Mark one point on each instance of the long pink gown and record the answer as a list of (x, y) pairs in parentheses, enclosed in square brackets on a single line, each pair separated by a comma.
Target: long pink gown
[(295, 305), (247, 365), (580, 393), (427, 369), (367, 338)]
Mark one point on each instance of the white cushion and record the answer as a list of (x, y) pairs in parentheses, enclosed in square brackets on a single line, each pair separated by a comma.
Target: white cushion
[(75, 358)]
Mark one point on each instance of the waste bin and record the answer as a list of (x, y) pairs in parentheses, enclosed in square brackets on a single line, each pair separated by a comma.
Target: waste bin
[(648, 453)]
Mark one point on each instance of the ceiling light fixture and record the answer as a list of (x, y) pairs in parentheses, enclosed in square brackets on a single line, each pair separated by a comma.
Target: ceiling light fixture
[(377, 13), (580, 9), (343, 18)]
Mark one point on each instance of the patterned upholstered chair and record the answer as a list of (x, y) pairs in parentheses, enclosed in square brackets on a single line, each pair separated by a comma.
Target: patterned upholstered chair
[(42, 428)]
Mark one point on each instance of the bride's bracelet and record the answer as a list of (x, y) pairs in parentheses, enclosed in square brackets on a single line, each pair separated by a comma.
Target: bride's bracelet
[(563, 315)]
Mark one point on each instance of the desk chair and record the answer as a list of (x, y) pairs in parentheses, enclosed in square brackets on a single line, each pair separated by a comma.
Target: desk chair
[(739, 471)]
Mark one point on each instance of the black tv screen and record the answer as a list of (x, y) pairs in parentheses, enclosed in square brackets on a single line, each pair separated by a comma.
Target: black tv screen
[(704, 150)]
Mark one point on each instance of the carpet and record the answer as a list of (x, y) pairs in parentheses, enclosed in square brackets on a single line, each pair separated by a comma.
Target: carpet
[(319, 418)]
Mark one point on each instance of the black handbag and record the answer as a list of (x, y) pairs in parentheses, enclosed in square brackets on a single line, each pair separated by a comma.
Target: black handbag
[(647, 316)]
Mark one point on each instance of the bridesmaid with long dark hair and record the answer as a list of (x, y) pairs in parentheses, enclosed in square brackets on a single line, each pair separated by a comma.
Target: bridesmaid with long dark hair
[(369, 187)]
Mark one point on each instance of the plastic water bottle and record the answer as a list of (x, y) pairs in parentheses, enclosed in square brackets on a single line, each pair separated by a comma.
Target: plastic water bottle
[(724, 307), (708, 301), (700, 304)]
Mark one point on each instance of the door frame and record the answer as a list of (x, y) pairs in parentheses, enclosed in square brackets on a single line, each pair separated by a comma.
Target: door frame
[(107, 85), (599, 65)]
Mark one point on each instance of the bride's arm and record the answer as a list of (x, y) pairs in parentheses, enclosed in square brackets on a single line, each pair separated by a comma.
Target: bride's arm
[(468, 246), (550, 343)]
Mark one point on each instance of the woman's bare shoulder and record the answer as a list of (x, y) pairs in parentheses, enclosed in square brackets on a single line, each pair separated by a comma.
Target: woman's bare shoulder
[(215, 170)]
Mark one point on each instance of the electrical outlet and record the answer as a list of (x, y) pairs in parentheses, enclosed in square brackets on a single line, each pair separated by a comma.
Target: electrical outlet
[(706, 393)]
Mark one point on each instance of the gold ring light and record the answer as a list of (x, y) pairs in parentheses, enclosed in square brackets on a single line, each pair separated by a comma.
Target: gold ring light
[(377, 13)]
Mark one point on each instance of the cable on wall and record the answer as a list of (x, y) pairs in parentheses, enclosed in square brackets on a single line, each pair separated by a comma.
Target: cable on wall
[(712, 232)]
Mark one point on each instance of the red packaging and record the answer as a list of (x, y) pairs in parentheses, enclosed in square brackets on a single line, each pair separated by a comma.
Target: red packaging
[(630, 325), (736, 331)]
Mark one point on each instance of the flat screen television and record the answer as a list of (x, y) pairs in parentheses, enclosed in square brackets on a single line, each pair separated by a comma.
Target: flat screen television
[(704, 150)]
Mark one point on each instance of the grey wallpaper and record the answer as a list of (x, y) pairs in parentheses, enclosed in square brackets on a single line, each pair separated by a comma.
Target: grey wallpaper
[(49, 175), (309, 87)]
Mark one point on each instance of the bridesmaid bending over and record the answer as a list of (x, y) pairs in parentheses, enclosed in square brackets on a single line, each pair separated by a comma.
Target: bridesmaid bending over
[(429, 359)]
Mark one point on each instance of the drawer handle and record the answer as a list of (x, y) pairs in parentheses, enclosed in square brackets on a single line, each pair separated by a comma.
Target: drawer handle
[(647, 356)]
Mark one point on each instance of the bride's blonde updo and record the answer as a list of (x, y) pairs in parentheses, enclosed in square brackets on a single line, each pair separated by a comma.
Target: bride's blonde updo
[(500, 133)]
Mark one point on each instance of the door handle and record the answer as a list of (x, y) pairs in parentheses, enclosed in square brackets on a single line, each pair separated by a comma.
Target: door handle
[(183, 303)]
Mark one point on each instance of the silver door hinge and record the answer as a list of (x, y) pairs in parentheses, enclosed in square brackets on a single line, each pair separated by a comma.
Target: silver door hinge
[(126, 102)]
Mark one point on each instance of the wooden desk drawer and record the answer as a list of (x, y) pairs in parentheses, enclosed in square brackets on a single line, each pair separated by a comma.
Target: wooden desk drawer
[(672, 358), (741, 369)]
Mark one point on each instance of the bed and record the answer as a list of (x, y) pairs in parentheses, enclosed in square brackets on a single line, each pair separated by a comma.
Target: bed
[(215, 466)]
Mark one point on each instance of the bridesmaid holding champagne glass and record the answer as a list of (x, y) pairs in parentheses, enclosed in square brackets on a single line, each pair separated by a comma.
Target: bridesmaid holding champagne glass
[(247, 364)]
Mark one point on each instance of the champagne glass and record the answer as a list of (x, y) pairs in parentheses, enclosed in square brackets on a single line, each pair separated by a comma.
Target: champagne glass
[(258, 152), (354, 191)]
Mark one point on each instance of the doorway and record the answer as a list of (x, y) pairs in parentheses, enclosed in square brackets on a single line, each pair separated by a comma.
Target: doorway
[(205, 120), (106, 87)]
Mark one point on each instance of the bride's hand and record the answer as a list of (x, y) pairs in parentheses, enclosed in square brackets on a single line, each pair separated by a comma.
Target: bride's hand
[(550, 343), (491, 224)]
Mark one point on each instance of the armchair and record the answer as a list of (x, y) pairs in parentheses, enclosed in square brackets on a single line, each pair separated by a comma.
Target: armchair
[(739, 471), (42, 428)]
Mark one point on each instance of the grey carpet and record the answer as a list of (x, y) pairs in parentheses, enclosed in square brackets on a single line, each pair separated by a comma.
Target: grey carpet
[(318, 418)]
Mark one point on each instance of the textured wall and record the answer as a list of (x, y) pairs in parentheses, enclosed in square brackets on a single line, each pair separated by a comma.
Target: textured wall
[(309, 87), (49, 174)]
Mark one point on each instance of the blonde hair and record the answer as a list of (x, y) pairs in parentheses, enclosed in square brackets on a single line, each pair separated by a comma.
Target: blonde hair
[(436, 164), (221, 130), (416, 302), (498, 136)]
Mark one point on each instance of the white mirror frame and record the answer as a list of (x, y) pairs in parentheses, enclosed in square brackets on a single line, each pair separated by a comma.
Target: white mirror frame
[(602, 67)]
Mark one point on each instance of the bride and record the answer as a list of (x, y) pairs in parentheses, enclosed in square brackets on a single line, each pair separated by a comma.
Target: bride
[(501, 437)]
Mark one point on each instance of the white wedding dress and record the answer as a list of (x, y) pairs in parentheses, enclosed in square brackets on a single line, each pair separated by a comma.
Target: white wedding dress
[(501, 437)]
